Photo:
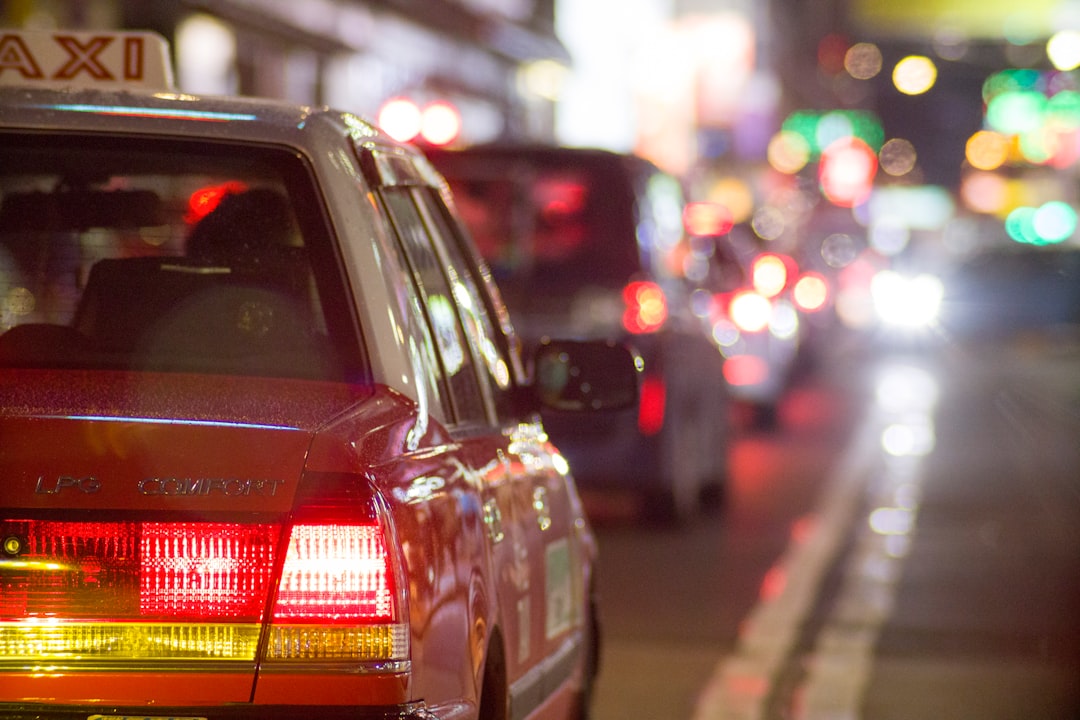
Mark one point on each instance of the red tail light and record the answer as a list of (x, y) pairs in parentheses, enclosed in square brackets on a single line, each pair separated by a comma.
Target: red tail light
[(76, 592), (337, 573), (339, 597), (646, 307), (651, 406), (203, 201), (745, 370), (205, 571), (183, 592)]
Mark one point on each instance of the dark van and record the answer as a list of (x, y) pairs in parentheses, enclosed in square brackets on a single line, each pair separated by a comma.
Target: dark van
[(589, 243)]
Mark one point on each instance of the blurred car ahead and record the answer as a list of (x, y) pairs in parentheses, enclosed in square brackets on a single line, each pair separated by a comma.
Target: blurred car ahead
[(589, 243), (268, 447), (753, 319)]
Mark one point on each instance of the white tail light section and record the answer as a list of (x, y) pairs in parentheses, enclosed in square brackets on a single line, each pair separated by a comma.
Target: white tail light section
[(337, 598), (336, 572)]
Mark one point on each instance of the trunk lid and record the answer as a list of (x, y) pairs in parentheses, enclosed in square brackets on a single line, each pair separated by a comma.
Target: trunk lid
[(142, 520)]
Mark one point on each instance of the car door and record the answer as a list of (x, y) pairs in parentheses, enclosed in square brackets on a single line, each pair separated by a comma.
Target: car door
[(546, 508), (476, 377)]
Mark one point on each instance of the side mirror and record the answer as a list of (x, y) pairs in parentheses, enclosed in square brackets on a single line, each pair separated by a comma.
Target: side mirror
[(583, 376)]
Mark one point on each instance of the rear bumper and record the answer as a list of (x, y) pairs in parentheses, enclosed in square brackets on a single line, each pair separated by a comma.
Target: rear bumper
[(410, 711)]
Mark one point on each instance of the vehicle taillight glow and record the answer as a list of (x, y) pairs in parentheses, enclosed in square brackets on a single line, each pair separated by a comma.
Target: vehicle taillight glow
[(811, 292), (651, 405), (339, 573), (770, 274), (337, 597), (440, 123), (401, 119), (750, 311), (203, 201), (130, 591), (707, 219), (646, 307), (742, 370), (204, 571)]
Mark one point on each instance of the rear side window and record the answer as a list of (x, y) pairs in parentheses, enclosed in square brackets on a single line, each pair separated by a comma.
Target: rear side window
[(171, 257), (547, 224)]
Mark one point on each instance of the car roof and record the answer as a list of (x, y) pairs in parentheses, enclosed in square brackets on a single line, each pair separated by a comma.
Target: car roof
[(136, 112), (547, 154)]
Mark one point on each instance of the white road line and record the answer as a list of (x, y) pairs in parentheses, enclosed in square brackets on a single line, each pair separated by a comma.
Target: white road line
[(743, 682)]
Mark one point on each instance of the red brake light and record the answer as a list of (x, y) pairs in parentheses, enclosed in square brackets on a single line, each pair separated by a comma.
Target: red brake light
[(336, 573), (74, 592), (128, 591), (205, 571), (203, 201), (651, 406), (745, 370), (646, 307), (440, 123), (340, 595)]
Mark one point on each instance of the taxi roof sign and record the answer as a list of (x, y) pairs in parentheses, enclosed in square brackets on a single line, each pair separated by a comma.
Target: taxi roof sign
[(106, 60)]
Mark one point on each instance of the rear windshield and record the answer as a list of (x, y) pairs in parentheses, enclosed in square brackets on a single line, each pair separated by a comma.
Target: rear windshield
[(175, 257), (547, 225)]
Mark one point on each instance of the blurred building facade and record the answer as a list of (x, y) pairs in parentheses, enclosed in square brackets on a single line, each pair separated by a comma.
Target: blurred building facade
[(353, 54)]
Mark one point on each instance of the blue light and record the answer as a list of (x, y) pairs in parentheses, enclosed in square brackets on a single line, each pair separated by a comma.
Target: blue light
[(173, 421), (156, 112)]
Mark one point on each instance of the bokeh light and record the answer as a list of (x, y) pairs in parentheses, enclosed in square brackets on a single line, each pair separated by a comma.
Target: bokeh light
[(820, 129), (769, 274), (440, 123), (831, 53), (839, 250), (987, 150), (914, 75), (1063, 49), (401, 119), (984, 192), (897, 157), (707, 219), (863, 61), (1054, 221), (788, 152), (811, 292), (768, 222), (1063, 110), (1016, 111), (735, 194), (847, 171)]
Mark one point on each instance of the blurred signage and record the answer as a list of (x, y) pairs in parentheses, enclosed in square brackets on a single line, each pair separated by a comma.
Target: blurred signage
[(970, 18)]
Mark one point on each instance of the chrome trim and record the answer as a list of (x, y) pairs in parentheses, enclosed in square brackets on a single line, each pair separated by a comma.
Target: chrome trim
[(527, 692)]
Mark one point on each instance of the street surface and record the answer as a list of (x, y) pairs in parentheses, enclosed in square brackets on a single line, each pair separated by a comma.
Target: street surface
[(905, 545)]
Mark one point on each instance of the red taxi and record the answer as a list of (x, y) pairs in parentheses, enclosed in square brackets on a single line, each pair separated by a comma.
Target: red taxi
[(268, 445)]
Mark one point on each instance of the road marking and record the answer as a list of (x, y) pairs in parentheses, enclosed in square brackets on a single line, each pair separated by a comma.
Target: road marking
[(743, 683)]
